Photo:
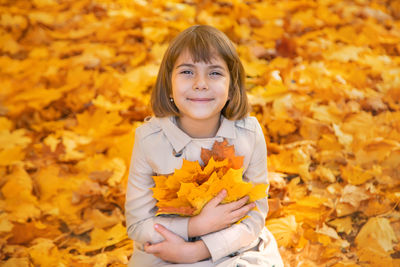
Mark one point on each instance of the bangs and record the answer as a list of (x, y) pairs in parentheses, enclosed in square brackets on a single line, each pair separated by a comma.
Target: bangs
[(203, 44), (201, 49)]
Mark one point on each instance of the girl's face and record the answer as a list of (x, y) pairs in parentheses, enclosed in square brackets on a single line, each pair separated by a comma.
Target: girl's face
[(200, 90)]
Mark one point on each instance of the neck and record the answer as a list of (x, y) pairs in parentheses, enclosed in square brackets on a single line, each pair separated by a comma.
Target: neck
[(199, 128)]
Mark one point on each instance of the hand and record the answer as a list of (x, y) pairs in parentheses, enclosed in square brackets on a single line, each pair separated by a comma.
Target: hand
[(175, 249), (216, 216)]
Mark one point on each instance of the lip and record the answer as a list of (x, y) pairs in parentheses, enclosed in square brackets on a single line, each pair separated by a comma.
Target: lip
[(200, 99)]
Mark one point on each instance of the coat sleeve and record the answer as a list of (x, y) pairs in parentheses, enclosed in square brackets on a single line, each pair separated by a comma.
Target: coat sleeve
[(238, 236), (140, 206)]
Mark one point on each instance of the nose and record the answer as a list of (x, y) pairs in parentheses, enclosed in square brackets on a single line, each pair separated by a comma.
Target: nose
[(200, 83)]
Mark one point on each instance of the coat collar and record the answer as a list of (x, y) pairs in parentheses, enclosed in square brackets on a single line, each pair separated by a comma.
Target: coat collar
[(179, 139)]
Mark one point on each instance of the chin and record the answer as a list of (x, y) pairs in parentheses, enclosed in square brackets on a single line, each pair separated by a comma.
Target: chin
[(205, 117)]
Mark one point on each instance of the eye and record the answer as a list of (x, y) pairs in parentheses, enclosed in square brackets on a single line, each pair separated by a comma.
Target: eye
[(216, 73), (186, 72)]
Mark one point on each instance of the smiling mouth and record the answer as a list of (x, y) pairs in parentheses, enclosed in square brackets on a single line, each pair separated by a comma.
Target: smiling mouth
[(200, 99)]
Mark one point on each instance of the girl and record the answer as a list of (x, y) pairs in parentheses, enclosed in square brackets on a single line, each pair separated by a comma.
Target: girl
[(199, 98)]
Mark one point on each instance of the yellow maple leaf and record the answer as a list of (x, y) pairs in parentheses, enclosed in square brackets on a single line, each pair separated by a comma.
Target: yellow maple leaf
[(115, 169), (102, 102), (20, 201), (292, 161), (11, 156), (325, 174), (373, 256), (100, 238), (11, 139), (98, 123), (353, 195), (48, 182), (281, 127), (309, 210), (285, 229), (71, 141), (188, 189), (44, 252), (355, 175), (136, 82), (296, 190), (343, 225), (377, 233)]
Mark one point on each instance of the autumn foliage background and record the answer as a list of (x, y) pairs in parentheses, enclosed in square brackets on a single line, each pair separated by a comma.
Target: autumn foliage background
[(323, 80)]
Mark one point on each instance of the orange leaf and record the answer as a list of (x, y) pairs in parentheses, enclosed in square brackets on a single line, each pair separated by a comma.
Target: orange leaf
[(189, 188), (221, 151)]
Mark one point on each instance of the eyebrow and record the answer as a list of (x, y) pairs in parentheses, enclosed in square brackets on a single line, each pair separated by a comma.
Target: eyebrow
[(192, 65)]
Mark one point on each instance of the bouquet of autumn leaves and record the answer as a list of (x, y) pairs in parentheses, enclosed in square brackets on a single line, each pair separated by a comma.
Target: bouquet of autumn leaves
[(187, 190)]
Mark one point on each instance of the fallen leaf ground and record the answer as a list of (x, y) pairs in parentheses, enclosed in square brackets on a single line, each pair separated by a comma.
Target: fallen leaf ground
[(323, 80)]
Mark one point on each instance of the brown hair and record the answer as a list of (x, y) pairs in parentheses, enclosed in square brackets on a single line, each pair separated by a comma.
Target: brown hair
[(201, 41)]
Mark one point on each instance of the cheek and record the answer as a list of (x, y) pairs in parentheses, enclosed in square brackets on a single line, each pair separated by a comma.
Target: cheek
[(226, 82), (224, 88), (176, 87), (179, 83)]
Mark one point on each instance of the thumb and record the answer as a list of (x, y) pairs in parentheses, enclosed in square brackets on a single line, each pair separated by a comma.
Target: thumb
[(149, 248)]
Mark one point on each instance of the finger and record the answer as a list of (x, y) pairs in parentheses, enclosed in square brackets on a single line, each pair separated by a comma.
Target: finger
[(238, 204), (243, 211), (218, 198), (164, 231)]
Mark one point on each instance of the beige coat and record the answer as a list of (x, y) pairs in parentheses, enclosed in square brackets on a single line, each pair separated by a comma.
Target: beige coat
[(159, 149)]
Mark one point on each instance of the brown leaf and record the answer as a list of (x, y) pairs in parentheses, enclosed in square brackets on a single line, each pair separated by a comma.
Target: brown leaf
[(221, 151)]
